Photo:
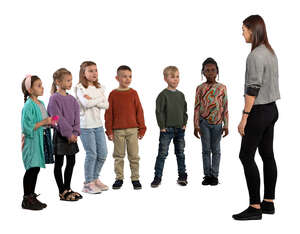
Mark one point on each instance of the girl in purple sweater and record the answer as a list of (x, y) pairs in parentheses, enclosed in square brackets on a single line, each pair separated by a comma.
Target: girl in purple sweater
[(66, 132)]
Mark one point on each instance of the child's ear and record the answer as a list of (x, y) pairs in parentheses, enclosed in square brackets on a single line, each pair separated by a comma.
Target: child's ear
[(117, 78)]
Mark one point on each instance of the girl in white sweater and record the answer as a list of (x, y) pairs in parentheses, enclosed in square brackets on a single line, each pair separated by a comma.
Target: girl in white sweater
[(91, 98)]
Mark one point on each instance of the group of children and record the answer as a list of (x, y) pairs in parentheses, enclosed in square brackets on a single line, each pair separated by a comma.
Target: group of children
[(71, 117)]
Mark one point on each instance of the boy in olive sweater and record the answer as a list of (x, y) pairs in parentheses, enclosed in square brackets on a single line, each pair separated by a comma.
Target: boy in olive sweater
[(171, 115)]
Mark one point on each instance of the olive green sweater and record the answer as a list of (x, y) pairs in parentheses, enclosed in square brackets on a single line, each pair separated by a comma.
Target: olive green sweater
[(171, 109)]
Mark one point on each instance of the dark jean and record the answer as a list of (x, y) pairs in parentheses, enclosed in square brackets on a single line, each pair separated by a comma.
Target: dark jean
[(259, 133), (165, 138), (211, 150)]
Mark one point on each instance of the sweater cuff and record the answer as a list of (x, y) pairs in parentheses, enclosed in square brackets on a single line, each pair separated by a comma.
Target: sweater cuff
[(252, 91), (109, 132)]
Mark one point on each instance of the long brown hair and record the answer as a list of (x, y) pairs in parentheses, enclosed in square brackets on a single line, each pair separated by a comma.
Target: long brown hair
[(24, 90), (59, 75), (82, 78), (259, 32)]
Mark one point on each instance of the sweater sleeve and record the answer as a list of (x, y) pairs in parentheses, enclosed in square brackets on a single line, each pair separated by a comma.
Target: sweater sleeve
[(225, 108), (109, 117), (140, 115), (103, 104), (160, 111), (63, 126), (255, 70), (197, 108), (27, 122), (76, 127), (85, 102), (185, 115)]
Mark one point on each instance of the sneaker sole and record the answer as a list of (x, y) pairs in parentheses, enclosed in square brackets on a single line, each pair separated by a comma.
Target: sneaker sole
[(89, 192), (155, 186), (269, 212), (137, 188), (116, 188), (249, 218)]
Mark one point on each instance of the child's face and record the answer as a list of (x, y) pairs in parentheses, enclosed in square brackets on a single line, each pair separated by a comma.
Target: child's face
[(172, 79), (37, 88), (124, 78), (210, 72), (91, 73), (247, 34), (66, 83)]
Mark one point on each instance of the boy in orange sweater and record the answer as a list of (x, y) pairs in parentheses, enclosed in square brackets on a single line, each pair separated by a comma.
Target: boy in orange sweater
[(124, 123)]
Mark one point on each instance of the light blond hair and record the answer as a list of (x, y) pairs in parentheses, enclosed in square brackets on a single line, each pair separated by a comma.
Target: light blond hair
[(170, 70)]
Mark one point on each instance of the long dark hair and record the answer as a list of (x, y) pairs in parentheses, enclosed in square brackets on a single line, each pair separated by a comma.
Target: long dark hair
[(24, 90), (259, 32)]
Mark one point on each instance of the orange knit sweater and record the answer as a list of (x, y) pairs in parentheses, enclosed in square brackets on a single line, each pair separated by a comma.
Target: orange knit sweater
[(125, 111)]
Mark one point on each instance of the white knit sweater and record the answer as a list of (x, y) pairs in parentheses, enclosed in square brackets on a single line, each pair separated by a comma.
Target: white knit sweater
[(90, 110)]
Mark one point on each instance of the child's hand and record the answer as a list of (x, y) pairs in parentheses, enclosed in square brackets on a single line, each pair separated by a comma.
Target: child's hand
[(22, 141), (225, 132), (110, 137), (72, 139), (197, 132), (140, 137), (184, 127), (87, 97), (47, 121), (163, 130)]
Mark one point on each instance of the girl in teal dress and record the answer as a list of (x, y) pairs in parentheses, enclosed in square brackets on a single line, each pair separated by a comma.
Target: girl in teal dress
[(34, 118)]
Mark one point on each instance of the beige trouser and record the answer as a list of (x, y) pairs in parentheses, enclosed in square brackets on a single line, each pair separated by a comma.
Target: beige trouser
[(122, 138)]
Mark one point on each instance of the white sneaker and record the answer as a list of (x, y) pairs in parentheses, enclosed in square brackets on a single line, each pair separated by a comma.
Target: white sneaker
[(91, 188), (100, 185)]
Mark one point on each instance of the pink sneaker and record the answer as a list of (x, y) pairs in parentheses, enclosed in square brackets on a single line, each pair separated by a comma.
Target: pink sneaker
[(100, 185), (91, 188)]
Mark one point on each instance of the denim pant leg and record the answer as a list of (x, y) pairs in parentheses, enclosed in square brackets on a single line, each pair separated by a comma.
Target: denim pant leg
[(206, 150), (164, 142), (215, 139), (101, 150), (179, 144), (88, 140)]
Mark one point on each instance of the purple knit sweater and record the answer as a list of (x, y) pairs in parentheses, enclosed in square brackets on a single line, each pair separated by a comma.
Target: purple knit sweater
[(67, 108)]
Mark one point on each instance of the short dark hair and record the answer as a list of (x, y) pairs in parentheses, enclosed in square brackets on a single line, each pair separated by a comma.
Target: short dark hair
[(123, 68), (210, 61)]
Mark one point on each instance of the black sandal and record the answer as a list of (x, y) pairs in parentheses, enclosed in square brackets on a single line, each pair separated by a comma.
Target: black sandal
[(67, 196), (77, 195)]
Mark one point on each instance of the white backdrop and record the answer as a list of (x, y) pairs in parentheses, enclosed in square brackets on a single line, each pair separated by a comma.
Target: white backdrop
[(39, 37)]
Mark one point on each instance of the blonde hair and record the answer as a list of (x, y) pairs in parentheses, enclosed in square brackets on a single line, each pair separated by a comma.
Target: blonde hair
[(82, 78), (170, 70), (59, 75)]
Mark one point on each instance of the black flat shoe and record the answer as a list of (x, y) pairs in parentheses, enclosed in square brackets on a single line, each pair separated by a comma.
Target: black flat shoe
[(118, 184), (206, 180), (267, 207), (250, 213)]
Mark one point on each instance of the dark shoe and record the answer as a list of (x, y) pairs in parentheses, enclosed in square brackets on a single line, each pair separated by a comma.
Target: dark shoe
[(30, 203), (136, 184), (250, 213), (267, 207), (42, 204), (206, 180), (182, 179), (156, 182), (118, 184), (214, 181)]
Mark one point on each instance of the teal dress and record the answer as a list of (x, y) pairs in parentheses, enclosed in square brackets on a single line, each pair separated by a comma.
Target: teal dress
[(33, 151)]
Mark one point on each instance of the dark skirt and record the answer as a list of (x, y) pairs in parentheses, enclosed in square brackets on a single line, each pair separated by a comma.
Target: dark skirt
[(62, 146), (48, 147)]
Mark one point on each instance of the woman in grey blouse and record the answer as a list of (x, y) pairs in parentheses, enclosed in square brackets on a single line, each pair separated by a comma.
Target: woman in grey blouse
[(258, 119)]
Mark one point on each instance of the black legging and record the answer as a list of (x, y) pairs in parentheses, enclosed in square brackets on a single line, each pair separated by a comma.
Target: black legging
[(29, 180), (59, 161), (259, 132)]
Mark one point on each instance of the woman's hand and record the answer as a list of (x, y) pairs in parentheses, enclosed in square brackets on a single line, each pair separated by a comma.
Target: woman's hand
[(197, 132), (241, 127)]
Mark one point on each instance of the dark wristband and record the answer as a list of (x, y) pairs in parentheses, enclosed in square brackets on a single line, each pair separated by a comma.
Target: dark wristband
[(246, 113)]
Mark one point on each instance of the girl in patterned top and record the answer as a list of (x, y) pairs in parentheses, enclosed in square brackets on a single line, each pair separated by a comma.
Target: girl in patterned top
[(211, 120)]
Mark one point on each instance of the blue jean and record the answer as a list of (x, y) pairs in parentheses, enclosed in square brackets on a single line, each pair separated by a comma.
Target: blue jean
[(94, 144), (211, 150), (177, 134)]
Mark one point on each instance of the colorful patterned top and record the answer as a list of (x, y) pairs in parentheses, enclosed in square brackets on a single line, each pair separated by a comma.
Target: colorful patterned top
[(211, 104)]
